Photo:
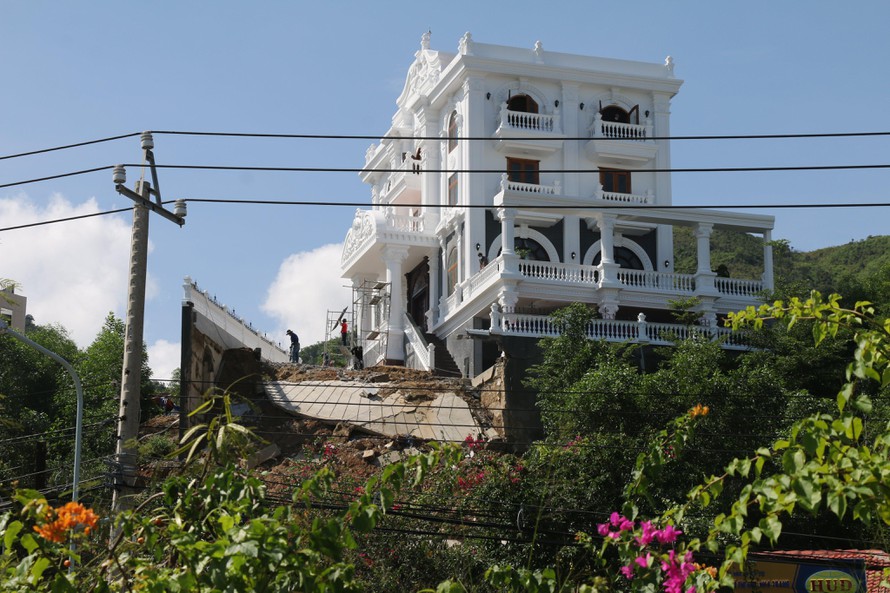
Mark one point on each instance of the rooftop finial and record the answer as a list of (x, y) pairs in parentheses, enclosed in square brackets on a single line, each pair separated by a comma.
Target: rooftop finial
[(669, 66), (425, 40), (466, 44)]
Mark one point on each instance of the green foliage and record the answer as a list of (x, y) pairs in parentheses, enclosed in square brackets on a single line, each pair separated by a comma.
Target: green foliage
[(314, 353), (39, 400), (214, 533), (32, 385)]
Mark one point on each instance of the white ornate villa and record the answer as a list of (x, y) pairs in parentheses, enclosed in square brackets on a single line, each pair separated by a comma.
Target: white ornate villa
[(514, 181)]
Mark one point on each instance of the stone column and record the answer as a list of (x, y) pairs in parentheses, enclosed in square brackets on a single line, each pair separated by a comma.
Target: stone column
[(508, 218), (704, 276), (606, 224), (393, 256), (431, 150), (703, 246), (768, 283), (571, 160), (476, 189), (508, 299), (432, 315)]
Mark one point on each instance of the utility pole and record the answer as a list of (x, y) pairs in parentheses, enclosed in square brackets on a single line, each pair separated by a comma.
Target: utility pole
[(128, 415)]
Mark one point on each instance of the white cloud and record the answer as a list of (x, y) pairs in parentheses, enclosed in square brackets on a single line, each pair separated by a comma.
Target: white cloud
[(163, 358), (73, 273), (308, 285)]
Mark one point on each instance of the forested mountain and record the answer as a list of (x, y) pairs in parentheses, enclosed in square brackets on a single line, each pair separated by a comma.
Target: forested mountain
[(858, 270)]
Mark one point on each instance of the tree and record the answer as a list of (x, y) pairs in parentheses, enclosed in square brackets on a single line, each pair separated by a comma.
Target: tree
[(29, 383)]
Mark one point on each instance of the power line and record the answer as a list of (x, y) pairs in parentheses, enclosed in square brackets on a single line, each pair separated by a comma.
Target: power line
[(58, 176), (473, 171), (67, 146), (377, 137), (502, 171), (767, 206)]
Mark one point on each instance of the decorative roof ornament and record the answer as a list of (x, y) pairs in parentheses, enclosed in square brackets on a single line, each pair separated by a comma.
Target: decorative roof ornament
[(669, 66), (425, 40), (539, 51), (465, 47)]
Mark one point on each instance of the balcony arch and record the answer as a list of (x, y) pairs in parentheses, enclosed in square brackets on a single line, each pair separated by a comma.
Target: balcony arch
[(522, 103), (494, 249), (620, 243), (510, 90)]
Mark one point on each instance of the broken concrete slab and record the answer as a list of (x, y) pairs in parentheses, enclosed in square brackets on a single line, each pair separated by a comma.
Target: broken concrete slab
[(377, 408), (263, 455)]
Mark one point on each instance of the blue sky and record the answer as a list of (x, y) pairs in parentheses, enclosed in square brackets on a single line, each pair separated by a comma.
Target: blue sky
[(72, 72)]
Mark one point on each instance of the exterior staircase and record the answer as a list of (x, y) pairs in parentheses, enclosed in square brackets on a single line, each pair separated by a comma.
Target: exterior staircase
[(443, 364)]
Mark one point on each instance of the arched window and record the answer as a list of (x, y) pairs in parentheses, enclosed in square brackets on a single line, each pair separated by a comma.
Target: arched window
[(616, 114), (452, 131), (522, 103), (624, 257), (451, 267)]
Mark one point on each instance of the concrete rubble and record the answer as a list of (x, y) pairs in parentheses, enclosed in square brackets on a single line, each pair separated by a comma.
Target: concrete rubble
[(381, 408)]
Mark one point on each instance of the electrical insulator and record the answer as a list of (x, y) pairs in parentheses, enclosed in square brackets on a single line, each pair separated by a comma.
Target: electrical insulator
[(119, 175)]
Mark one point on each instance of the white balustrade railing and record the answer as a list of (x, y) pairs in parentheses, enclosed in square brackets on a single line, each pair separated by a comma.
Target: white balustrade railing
[(484, 276), (530, 188), (405, 222), (448, 305), (418, 344), (668, 333), (621, 131), (665, 281), (520, 120), (517, 324), (738, 287), (546, 270), (611, 330), (614, 196)]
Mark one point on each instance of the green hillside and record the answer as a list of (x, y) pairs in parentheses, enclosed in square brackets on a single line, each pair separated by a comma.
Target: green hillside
[(858, 270)]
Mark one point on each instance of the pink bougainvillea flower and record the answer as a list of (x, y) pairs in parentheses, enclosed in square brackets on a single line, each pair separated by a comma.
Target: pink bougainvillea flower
[(626, 524), (644, 561), (647, 533), (602, 529), (627, 571), (615, 519), (668, 535)]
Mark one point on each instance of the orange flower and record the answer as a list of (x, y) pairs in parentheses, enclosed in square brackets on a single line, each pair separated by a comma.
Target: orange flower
[(699, 410), (69, 517)]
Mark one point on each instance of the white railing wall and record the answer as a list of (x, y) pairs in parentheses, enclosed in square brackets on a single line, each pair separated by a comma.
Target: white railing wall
[(520, 120), (530, 188), (422, 352), (662, 281), (738, 287), (621, 131), (559, 272), (641, 331), (613, 196)]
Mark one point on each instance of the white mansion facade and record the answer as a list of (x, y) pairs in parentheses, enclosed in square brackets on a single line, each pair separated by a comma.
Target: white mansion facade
[(514, 182)]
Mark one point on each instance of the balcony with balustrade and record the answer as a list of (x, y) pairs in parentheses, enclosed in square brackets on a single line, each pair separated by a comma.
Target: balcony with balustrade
[(640, 331), (622, 144), (551, 285), (403, 184), (373, 230), (536, 133)]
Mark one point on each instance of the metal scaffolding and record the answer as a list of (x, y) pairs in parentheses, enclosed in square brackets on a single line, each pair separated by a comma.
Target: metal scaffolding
[(370, 307)]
